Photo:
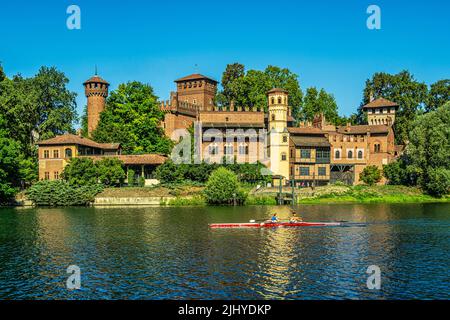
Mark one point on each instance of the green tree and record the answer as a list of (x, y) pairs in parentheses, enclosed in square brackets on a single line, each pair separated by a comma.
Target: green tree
[(2, 73), (110, 171), (401, 88), (80, 171), (169, 172), (9, 168), (131, 178), (232, 72), (428, 153), (223, 187), (439, 95), (132, 118), (37, 108), (316, 102), (250, 90), (395, 172), (370, 175)]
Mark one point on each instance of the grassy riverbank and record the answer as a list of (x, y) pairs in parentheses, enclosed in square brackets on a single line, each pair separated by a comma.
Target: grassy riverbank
[(184, 195)]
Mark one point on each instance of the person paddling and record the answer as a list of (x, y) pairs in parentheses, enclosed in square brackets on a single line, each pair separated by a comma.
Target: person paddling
[(295, 218), (274, 218)]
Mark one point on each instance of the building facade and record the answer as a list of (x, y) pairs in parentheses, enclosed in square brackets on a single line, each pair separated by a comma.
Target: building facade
[(315, 153), (55, 153)]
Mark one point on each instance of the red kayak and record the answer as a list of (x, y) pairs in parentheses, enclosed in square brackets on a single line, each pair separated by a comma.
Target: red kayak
[(274, 225)]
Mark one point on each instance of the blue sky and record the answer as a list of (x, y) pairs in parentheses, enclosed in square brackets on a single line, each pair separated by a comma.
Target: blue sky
[(325, 42)]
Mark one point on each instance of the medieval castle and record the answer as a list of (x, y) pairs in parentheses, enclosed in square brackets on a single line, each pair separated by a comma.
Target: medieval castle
[(311, 153)]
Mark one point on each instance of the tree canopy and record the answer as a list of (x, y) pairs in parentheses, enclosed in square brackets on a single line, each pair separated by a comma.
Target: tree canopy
[(132, 118), (439, 95), (249, 89), (316, 102), (37, 108), (401, 88)]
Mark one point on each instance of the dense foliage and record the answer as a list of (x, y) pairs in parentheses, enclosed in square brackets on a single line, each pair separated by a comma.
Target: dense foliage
[(426, 161), (169, 172), (249, 89), (223, 187), (32, 108), (61, 193), (83, 171), (316, 102), (132, 117), (403, 89), (370, 175)]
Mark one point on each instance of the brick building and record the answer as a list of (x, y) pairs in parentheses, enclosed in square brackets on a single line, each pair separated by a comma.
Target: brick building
[(55, 153), (311, 153)]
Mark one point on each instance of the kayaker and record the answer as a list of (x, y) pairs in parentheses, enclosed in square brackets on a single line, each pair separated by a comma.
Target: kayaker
[(274, 218), (295, 218)]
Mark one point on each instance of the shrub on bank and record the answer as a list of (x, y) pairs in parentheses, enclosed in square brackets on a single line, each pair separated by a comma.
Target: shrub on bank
[(61, 193), (223, 187), (370, 175)]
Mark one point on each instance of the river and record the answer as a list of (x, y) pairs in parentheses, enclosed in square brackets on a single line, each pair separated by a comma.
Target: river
[(170, 253)]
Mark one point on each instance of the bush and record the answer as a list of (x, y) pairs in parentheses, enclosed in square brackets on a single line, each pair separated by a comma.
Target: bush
[(61, 193), (110, 171), (130, 177), (223, 187), (438, 182), (141, 182), (395, 173), (169, 172), (370, 175), (80, 171)]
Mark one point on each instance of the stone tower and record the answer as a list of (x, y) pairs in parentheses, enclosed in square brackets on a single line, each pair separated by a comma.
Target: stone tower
[(279, 135), (96, 91), (381, 111), (197, 89)]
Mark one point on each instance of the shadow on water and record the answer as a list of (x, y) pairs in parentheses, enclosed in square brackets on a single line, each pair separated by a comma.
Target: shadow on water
[(170, 253)]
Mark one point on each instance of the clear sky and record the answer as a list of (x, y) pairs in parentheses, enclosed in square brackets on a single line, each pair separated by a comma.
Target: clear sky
[(325, 42)]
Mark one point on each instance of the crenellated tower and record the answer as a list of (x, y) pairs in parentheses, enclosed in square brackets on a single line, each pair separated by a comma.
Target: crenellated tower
[(96, 91), (279, 135)]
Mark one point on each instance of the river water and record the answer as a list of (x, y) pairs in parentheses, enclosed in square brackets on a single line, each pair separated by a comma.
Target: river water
[(170, 253)]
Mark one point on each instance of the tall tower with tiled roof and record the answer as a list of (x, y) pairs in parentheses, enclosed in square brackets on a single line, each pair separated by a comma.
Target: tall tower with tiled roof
[(381, 111), (96, 91), (279, 135), (197, 89)]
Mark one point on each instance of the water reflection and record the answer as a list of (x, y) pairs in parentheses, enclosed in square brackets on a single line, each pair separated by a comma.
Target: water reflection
[(170, 253)]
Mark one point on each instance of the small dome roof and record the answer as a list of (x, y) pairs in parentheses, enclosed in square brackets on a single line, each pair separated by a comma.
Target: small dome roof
[(96, 79), (275, 90)]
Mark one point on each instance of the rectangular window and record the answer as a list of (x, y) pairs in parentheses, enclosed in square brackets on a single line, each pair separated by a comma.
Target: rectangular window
[(243, 149), (47, 175), (56, 154), (56, 175), (322, 171), (283, 157), (228, 150), (304, 171), (46, 154), (305, 153), (377, 148)]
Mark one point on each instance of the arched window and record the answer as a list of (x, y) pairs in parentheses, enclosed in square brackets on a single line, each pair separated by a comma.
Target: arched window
[(337, 154), (273, 100), (68, 153), (273, 117), (285, 139), (350, 154), (279, 100), (360, 154)]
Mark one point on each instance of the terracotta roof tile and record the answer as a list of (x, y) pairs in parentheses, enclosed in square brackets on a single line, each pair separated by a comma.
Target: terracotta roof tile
[(70, 139), (363, 129), (277, 90), (305, 130), (381, 102), (96, 79), (140, 159), (195, 76)]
